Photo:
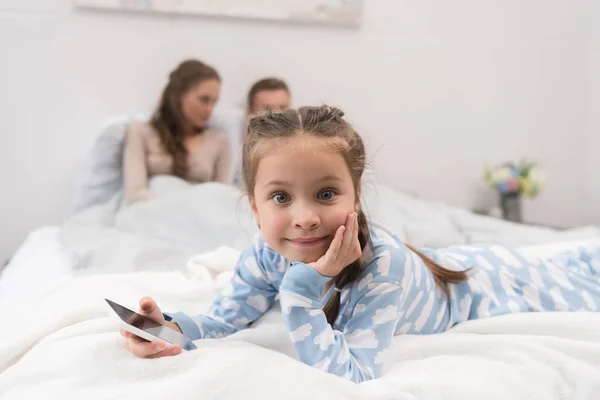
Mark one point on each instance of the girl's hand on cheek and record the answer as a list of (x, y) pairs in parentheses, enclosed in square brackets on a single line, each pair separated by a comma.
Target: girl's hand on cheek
[(343, 250)]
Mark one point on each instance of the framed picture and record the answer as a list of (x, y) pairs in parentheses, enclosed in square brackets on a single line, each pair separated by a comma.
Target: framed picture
[(333, 12)]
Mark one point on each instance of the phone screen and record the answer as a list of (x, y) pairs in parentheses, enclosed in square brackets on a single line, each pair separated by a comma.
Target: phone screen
[(151, 327)]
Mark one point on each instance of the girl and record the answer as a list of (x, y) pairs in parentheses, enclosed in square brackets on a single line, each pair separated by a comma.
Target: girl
[(347, 286), (176, 141)]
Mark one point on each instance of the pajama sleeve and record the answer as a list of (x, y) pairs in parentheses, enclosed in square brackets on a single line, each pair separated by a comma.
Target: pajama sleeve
[(246, 298), (357, 352)]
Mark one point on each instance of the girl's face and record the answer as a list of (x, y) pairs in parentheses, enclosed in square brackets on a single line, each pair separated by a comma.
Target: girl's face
[(303, 192), (197, 103)]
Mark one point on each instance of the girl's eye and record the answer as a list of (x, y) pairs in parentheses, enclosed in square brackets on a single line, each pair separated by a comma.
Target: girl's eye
[(280, 198), (326, 195)]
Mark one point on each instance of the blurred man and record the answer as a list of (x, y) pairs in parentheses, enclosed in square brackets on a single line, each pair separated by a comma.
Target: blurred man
[(268, 94)]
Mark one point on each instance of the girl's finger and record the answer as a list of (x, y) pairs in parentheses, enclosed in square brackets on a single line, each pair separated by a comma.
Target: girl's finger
[(348, 237), (357, 251), (145, 349), (334, 248), (147, 305), (356, 232), (168, 352)]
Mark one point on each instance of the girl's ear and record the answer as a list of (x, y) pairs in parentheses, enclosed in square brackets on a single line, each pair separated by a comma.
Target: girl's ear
[(254, 210)]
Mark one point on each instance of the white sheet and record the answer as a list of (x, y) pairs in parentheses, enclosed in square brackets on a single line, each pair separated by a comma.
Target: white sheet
[(71, 349)]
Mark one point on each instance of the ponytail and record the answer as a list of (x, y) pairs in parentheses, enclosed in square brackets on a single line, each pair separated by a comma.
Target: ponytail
[(441, 275)]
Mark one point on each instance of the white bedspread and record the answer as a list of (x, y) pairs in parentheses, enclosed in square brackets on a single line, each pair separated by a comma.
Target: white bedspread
[(67, 346)]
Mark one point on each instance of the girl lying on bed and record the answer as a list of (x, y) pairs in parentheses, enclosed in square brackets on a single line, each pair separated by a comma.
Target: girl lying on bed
[(348, 286)]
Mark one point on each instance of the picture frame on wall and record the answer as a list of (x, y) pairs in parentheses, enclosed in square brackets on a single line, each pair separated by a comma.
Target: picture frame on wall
[(347, 13)]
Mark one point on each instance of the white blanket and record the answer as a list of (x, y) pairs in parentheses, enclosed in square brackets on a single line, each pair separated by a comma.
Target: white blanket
[(158, 235), (64, 343), (164, 233)]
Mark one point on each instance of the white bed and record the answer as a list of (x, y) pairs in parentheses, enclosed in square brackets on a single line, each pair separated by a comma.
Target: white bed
[(68, 344), (69, 347)]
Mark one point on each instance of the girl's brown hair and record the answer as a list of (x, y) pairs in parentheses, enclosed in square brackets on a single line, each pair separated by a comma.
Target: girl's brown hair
[(168, 119), (328, 124)]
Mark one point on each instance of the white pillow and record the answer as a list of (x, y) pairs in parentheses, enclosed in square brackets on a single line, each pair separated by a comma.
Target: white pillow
[(419, 222), (101, 175)]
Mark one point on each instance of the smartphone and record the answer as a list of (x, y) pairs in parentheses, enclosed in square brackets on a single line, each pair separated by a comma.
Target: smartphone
[(149, 329)]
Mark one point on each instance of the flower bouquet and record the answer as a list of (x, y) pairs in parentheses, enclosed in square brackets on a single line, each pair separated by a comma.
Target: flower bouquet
[(513, 181)]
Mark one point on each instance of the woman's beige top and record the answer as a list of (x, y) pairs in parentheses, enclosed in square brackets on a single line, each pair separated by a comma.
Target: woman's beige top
[(144, 156)]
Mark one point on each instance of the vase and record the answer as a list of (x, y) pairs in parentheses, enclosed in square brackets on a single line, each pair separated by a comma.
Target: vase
[(511, 207)]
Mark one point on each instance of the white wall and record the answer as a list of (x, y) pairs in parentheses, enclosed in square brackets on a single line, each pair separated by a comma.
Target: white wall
[(592, 128), (437, 88)]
